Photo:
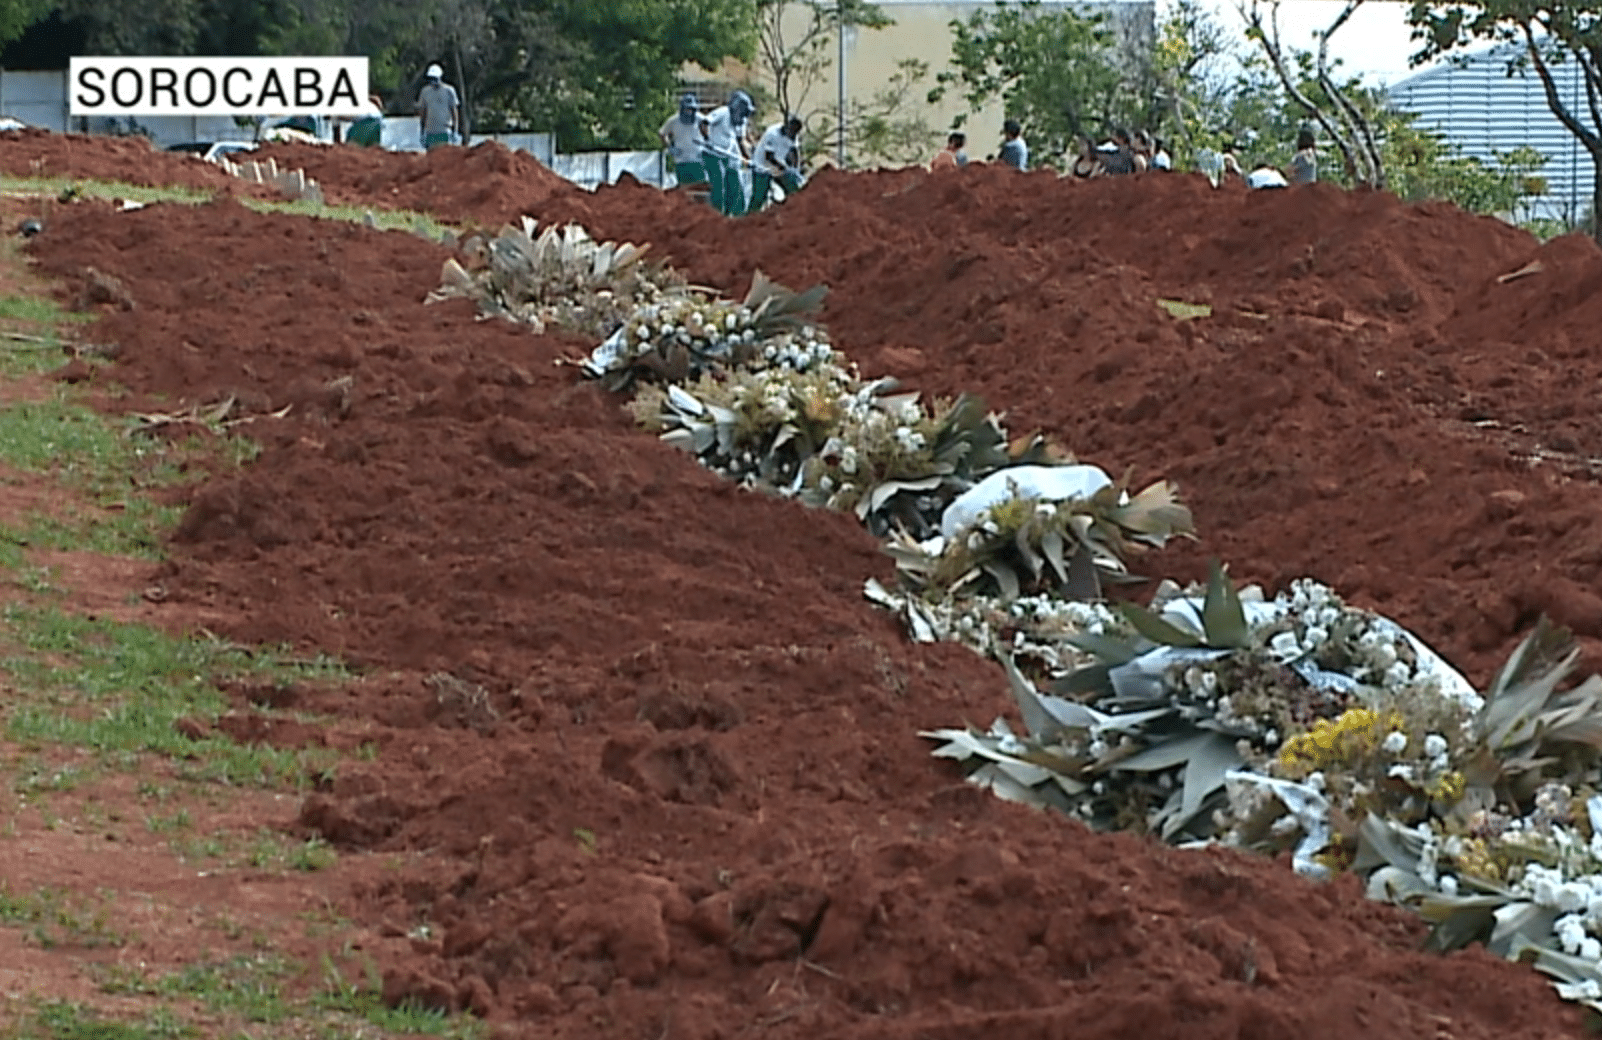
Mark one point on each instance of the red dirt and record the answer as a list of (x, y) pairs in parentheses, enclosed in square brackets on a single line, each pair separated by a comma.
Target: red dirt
[(678, 751), (482, 185), (129, 160)]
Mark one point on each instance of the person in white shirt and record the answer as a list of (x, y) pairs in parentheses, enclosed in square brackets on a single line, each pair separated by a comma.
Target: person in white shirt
[(723, 152), (777, 159), (681, 136), (1264, 175)]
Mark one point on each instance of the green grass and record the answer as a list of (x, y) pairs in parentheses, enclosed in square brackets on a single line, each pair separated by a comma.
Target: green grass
[(53, 917), (387, 220), (64, 1020), (119, 689), (256, 990), (38, 310)]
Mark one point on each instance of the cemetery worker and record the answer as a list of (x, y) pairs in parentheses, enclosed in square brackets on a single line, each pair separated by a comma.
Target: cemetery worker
[(776, 156), (681, 136), (723, 152), (951, 157), (368, 129), (1303, 167), (438, 110), (1014, 152)]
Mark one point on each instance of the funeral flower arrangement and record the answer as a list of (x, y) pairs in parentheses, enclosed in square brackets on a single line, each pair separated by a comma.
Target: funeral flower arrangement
[(1301, 724), (1296, 724)]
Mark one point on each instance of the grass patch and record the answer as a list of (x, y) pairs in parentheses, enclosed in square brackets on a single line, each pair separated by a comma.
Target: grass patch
[(365, 1002), (120, 688), (38, 310), (384, 219), (53, 917), (254, 990), (64, 1020)]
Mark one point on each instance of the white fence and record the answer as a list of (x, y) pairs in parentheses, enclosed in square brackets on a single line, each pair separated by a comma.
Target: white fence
[(40, 99)]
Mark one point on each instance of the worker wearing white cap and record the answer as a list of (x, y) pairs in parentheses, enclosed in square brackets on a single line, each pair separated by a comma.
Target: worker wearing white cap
[(438, 110), (723, 150), (681, 136)]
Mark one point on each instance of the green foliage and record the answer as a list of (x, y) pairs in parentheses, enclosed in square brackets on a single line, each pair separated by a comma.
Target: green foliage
[(1548, 35), (64, 1020), (1058, 72), (17, 15), (887, 128), (795, 42)]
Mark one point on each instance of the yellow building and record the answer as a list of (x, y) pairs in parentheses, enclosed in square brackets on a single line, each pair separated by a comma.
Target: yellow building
[(874, 60)]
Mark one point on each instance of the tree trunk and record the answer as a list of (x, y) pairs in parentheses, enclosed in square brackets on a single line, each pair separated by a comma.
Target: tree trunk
[(1596, 195), (466, 128)]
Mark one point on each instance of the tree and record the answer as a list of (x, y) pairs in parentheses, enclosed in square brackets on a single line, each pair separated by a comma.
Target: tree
[(887, 128), (17, 15), (1196, 65), (1547, 34), (1343, 122), (1058, 72), (793, 43)]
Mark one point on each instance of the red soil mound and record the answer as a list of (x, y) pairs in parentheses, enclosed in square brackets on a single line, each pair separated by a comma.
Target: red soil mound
[(1362, 406), (669, 744), (486, 184), (129, 160)]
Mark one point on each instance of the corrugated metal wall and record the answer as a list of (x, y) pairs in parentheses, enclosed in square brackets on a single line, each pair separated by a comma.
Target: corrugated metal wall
[(1484, 110)]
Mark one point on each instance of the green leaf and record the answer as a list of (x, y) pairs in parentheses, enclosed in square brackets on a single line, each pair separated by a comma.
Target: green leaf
[(1185, 311), (1042, 726), (1464, 926), (1006, 580), (1214, 756), (1223, 618), (1166, 754), (1155, 628), (1108, 649)]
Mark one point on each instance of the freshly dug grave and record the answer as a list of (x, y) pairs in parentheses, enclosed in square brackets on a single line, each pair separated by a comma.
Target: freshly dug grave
[(671, 746), (1362, 406), (483, 185), (1367, 403), (129, 160)]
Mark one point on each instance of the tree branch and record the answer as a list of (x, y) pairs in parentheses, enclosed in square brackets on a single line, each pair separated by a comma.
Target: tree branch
[(1591, 140), (1271, 47)]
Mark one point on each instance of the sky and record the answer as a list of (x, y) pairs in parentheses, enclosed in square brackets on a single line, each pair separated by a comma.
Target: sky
[(1374, 42)]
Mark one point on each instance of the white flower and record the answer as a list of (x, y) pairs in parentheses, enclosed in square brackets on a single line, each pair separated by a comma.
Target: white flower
[(1284, 646), (1397, 674), (1315, 781), (729, 322), (1591, 950), (848, 461), (1434, 745), (1395, 742), (1570, 931), (1401, 771), (1315, 636), (1448, 885)]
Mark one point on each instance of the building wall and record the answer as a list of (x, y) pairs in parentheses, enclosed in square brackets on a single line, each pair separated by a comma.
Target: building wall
[(1483, 110), (922, 30)]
